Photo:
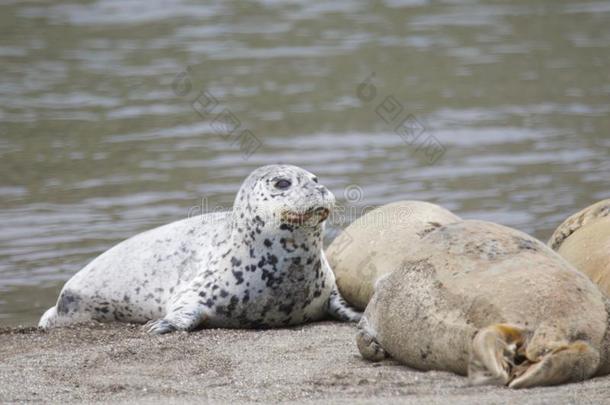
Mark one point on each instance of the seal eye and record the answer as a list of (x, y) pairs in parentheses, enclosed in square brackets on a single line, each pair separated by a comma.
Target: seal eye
[(315, 179), (282, 184)]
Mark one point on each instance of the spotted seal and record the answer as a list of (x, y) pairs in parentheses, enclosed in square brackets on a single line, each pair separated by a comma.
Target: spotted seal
[(359, 256), (260, 265), (491, 302), (584, 240)]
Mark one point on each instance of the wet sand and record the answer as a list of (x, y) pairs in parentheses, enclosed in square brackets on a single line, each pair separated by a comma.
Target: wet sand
[(314, 363)]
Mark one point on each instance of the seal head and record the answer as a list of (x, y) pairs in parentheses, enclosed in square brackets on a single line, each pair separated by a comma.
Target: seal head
[(283, 196)]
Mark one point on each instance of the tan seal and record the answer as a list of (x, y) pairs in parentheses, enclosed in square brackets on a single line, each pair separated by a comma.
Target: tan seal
[(584, 240), (491, 302), (366, 250)]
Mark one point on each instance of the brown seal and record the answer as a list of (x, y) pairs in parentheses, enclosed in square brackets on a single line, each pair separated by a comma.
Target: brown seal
[(366, 250), (491, 302), (584, 240)]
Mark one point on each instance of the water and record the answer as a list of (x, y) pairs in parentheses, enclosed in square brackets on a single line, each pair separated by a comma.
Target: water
[(97, 145)]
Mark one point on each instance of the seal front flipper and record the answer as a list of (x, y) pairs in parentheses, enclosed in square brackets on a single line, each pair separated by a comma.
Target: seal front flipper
[(159, 327), (367, 343), (182, 318), (341, 310)]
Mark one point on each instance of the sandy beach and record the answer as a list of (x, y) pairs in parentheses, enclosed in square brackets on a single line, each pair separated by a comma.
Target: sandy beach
[(316, 363)]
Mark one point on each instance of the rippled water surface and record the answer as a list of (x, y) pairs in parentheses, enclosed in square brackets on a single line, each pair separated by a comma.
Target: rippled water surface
[(99, 138)]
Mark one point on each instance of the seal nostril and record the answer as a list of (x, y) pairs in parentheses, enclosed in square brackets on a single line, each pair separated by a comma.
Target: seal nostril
[(322, 190)]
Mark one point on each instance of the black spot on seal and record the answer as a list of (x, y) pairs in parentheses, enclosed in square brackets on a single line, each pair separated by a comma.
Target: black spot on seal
[(239, 276), (525, 244), (68, 302)]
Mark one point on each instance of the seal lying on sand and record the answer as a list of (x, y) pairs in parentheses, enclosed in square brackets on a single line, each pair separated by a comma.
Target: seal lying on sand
[(260, 265), (584, 240), (367, 249), (481, 299)]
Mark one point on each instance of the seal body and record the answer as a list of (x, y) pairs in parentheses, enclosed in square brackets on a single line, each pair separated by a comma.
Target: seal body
[(584, 240), (260, 265), (481, 299), (366, 249)]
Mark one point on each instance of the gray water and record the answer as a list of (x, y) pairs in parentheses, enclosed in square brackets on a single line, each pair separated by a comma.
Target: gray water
[(506, 110)]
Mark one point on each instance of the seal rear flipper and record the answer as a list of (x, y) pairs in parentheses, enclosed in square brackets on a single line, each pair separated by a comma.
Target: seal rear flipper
[(572, 362), (48, 319), (341, 310), (68, 311), (495, 351)]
